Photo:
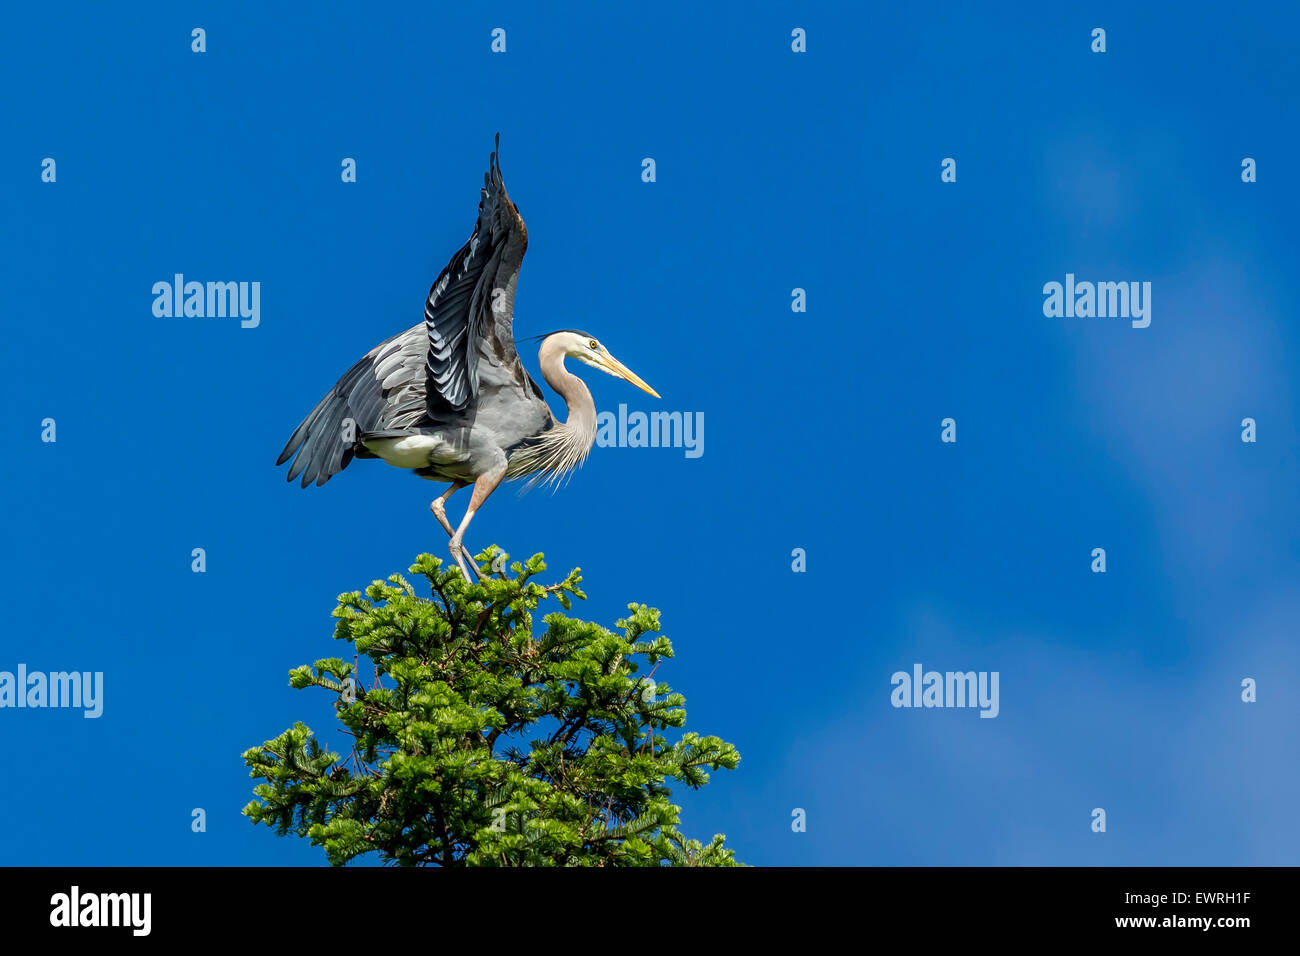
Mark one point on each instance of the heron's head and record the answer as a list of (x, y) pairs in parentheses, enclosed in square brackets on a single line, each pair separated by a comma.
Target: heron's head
[(588, 349)]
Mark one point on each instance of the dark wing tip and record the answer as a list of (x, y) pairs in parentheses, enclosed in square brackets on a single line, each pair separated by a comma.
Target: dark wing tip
[(494, 169)]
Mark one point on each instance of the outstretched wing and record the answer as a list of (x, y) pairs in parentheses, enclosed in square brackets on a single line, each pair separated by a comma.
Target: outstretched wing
[(429, 372), (474, 299), (383, 390)]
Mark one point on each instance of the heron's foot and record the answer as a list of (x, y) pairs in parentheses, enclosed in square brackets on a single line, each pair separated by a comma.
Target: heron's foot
[(460, 554)]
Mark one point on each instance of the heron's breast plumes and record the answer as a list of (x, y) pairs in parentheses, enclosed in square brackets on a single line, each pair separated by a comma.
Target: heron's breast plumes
[(552, 455)]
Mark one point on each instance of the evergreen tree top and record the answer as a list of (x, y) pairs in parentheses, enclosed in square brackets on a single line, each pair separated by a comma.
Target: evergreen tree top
[(485, 739)]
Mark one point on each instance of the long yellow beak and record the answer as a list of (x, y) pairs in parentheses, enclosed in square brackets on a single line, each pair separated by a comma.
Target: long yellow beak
[(623, 372)]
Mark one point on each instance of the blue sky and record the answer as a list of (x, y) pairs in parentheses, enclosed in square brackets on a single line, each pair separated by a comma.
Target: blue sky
[(775, 171)]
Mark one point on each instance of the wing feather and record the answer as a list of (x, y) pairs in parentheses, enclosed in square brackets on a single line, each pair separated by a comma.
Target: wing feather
[(383, 390), (473, 299)]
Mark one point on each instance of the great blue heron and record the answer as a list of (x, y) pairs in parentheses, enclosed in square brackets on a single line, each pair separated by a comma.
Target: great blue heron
[(449, 398)]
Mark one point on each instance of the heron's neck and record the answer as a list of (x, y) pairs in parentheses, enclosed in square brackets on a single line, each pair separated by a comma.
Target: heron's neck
[(581, 423)]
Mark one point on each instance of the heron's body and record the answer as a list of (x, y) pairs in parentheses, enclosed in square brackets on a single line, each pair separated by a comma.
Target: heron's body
[(459, 444), (449, 399)]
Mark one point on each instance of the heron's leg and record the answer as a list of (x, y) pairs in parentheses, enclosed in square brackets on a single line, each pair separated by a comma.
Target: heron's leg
[(438, 507), (484, 485)]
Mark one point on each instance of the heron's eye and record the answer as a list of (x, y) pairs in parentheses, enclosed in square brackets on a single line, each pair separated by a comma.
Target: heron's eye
[(594, 344)]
